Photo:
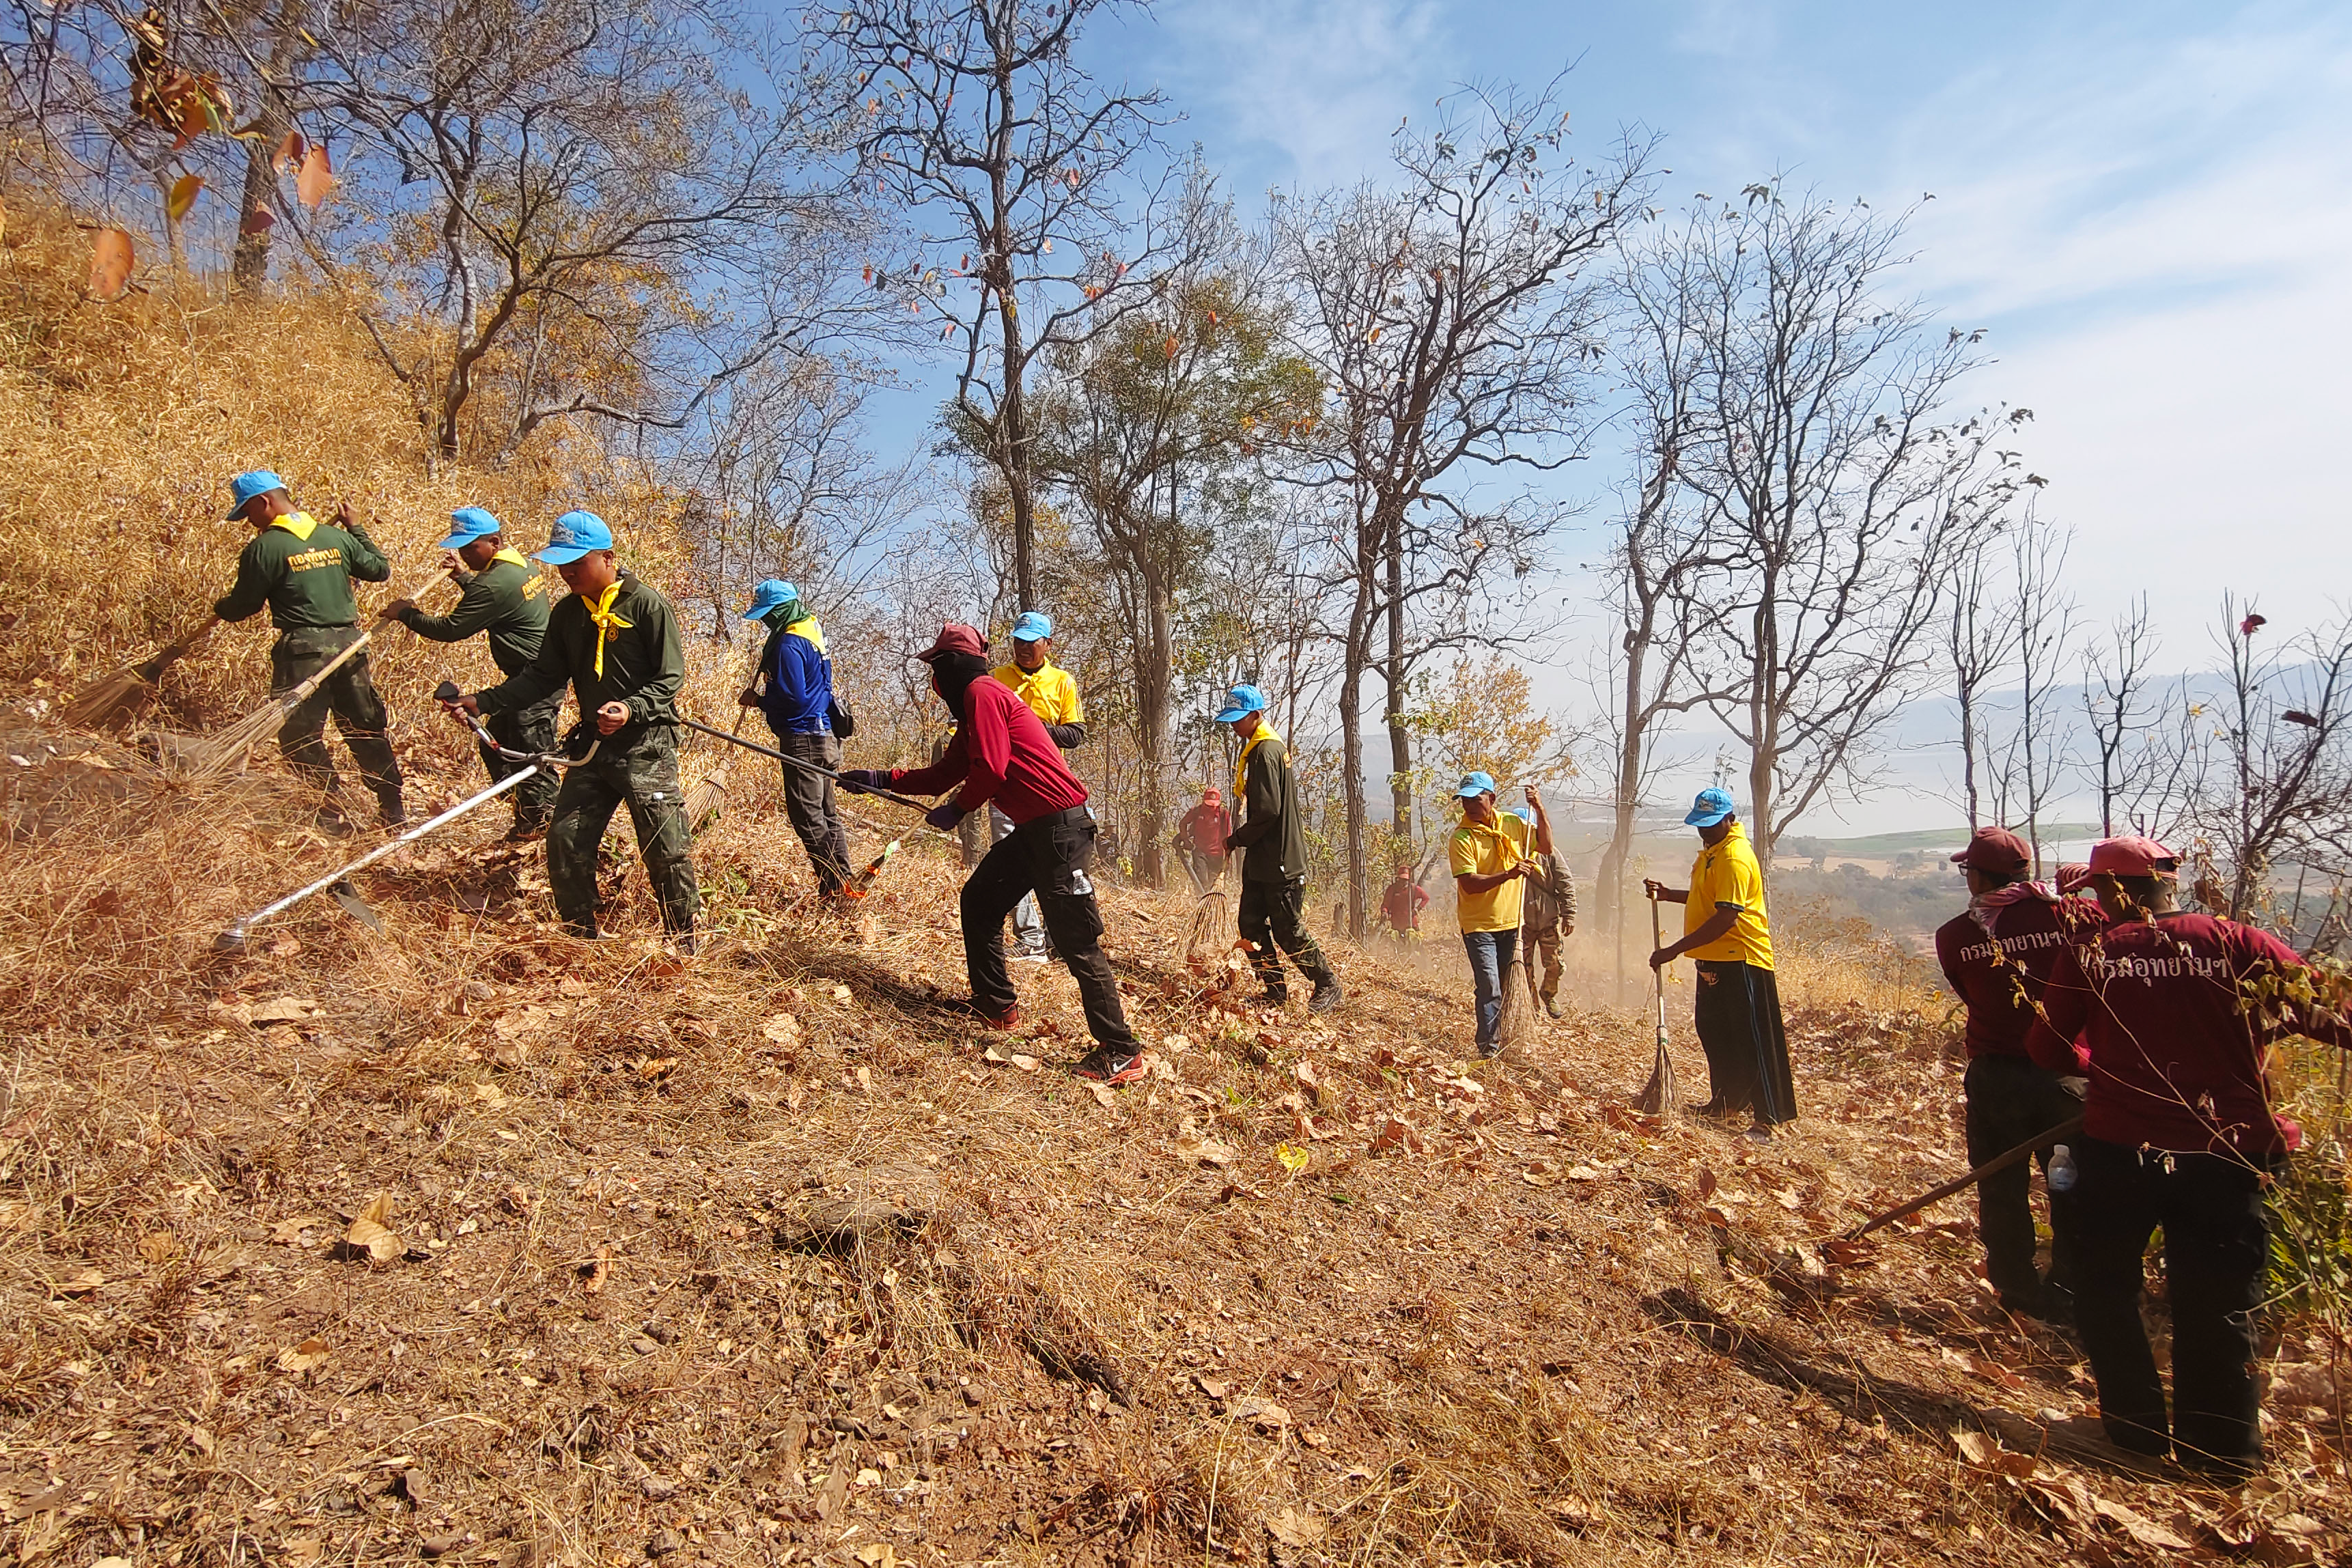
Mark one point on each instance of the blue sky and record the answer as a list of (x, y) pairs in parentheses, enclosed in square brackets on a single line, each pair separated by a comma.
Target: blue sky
[(2145, 204)]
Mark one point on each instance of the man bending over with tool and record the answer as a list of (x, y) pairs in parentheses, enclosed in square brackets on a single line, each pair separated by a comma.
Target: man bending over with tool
[(794, 690), (301, 569), (1997, 955), (1003, 756), (616, 642), (505, 597), (2172, 1016)]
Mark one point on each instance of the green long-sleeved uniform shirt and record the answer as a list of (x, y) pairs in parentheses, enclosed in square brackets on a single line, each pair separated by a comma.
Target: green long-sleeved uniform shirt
[(645, 661), (506, 598), (1273, 837), (305, 579)]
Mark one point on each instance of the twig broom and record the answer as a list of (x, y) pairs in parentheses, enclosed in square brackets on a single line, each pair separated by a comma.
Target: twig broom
[(1518, 1025), (706, 796), (226, 752), (1657, 1096), (1211, 927), (103, 702)]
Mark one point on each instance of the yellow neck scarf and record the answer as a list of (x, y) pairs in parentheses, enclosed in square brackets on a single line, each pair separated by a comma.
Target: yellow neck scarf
[(806, 627), (513, 555), (1264, 732), (600, 610), (301, 524)]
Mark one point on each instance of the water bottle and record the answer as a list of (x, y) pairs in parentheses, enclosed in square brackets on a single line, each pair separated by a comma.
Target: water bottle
[(2063, 1172)]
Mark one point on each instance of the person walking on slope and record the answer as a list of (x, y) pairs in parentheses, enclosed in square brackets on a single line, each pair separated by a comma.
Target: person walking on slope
[(616, 642), (1727, 935), (2172, 1015), (1490, 856), (301, 570), (1549, 917), (1051, 694), (794, 689), (1001, 756), (1200, 834), (1272, 837), (1401, 905), (505, 597), (1997, 956)]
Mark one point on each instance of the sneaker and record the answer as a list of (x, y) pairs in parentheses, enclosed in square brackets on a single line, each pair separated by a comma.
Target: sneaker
[(1490, 1050), (1275, 999), (1758, 1134), (526, 833), (1327, 996), (330, 821), (1028, 955), (1551, 1006), (1103, 1065), (1004, 1022)]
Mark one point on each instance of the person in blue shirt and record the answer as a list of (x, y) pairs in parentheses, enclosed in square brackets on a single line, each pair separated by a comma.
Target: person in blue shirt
[(794, 690)]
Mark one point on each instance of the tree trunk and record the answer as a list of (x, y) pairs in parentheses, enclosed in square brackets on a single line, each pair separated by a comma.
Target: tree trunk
[(249, 264), (1395, 669), (1155, 662), (1610, 884)]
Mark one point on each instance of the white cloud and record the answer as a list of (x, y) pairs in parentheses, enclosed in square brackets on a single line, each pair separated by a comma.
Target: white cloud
[(1317, 84)]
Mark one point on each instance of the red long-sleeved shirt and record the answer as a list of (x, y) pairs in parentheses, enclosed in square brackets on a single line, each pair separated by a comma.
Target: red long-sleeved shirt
[(2000, 974), (1001, 754), (2153, 1011)]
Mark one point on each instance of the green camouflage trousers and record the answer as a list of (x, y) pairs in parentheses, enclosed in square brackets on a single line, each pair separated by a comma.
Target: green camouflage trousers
[(639, 769), (350, 697)]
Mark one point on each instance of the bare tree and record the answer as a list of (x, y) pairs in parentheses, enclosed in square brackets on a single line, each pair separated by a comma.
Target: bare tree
[(2033, 757), (2115, 696), (2282, 725), (1980, 638), (1817, 452), (975, 115), (1452, 321)]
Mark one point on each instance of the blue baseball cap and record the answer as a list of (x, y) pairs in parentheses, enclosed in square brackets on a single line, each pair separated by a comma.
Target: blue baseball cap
[(575, 534), (1240, 700), (469, 523), (771, 592), (1034, 625), (1711, 807), (1474, 785), (245, 486), (1526, 814)]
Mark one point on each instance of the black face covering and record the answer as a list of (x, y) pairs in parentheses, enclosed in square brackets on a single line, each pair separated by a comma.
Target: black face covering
[(953, 675)]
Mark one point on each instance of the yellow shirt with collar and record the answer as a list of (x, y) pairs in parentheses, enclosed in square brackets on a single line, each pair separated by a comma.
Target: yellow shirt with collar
[(1051, 691), (1477, 849), (1725, 876)]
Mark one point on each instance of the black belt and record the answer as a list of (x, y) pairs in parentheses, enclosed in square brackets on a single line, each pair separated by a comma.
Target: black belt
[(1053, 819)]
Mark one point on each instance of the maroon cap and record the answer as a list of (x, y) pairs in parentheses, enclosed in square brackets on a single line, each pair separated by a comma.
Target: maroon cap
[(2072, 875), (1995, 850), (2131, 858), (955, 638)]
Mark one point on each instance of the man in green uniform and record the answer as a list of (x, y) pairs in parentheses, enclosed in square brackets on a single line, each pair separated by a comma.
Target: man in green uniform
[(1272, 840), (301, 569), (615, 641), (505, 597)]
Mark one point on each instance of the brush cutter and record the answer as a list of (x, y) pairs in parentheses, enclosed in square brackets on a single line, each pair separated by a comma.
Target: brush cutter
[(103, 701), (857, 887), (1657, 1096), (2001, 1162), (338, 882), (225, 752)]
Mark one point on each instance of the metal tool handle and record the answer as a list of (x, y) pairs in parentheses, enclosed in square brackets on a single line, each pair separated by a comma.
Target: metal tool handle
[(807, 767), (2000, 1162), (447, 692), (1657, 972)]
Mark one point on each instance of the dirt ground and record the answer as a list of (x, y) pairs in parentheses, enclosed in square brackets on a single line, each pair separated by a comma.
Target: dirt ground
[(471, 1242)]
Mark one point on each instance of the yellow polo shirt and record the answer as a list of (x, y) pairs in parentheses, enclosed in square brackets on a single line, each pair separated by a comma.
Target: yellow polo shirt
[(1727, 876), (1479, 850), (1051, 692)]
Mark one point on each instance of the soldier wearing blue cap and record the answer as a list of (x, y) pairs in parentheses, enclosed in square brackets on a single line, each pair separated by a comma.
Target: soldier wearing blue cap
[(301, 570), (507, 598), (1050, 692), (793, 688), (1271, 838), (1727, 935), (616, 642)]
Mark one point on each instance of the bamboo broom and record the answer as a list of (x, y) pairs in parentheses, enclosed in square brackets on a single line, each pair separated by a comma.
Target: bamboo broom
[(103, 702), (224, 753), (706, 796), (1657, 1096)]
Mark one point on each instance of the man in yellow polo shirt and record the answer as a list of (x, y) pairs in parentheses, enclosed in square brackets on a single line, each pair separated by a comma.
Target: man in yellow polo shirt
[(1489, 857), (1726, 934), (1051, 694)]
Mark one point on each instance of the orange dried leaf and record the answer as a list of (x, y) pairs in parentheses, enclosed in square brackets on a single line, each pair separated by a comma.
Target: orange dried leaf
[(110, 261), (316, 178), (289, 152), (260, 220)]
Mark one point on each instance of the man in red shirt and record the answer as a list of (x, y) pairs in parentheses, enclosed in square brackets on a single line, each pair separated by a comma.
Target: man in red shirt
[(2159, 1009), (1402, 904), (1997, 956), (1002, 755), (1200, 834)]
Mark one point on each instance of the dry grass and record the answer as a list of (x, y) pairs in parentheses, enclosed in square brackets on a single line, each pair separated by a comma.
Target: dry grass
[(767, 1257)]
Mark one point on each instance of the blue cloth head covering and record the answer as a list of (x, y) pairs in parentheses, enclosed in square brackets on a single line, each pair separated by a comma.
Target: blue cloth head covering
[(576, 533)]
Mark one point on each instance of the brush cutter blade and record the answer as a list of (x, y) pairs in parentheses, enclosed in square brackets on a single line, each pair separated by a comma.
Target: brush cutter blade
[(355, 906), (230, 941)]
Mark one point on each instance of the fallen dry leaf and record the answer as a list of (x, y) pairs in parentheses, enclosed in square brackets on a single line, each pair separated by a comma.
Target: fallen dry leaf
[(598, 1271), (2141, 1528), (159, 1246), (369, 1233), (304, 1356), (783, 1029), (1294, 1528), (1260, 1412), (282, 1010)]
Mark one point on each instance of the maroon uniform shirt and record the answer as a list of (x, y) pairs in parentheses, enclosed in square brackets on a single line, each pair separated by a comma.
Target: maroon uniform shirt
[(2154, 1012), (1001, 754), (2000, 973)]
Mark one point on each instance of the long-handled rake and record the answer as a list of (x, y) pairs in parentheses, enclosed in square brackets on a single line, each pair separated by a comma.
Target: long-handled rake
[(226, 752), (101, 703), (338, 882), (1657, 1096), (706, 796)]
